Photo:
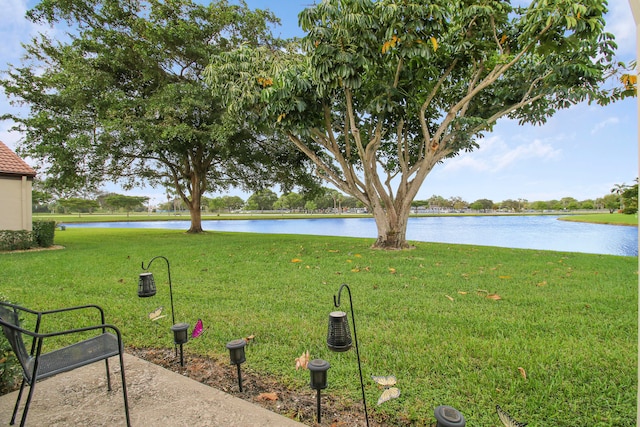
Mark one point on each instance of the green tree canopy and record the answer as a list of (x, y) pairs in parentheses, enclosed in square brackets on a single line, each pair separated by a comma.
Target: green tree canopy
[(262, 200), (124, 98), (126, 203), (79, 205), (379, 92)]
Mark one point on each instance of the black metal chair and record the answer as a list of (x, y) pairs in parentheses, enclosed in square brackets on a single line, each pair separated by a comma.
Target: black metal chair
[(36, 365)]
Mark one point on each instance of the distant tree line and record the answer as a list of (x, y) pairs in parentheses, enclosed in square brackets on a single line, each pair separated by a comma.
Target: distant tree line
[(622, 198)]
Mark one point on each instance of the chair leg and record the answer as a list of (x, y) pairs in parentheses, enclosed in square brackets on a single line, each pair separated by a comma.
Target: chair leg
[(124, 390), (32, 387), (15, 409), (106, 362)]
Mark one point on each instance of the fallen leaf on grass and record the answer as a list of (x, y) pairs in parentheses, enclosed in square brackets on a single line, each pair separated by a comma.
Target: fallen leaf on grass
[(494, 297), (302, 361), (267, 397), (543, 283), (296, 260), (157, 314), (463, 292), (522, 372), (392, 270), (388, 394), (449, 298), (504, 277)]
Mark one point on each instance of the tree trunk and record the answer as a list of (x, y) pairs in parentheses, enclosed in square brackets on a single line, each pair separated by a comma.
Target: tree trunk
[(196, 218), (392, 228), (195, 205)]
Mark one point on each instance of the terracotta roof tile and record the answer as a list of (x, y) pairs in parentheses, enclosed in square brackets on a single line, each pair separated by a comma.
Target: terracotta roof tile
[(11, 164)]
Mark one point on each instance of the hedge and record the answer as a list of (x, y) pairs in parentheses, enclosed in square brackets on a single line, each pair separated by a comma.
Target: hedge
[(42, 236)]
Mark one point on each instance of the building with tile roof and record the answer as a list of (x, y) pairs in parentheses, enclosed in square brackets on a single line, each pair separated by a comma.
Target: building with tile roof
[(16, 178)]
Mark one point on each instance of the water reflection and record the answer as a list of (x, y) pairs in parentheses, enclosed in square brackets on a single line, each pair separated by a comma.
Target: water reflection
[(527, 232)]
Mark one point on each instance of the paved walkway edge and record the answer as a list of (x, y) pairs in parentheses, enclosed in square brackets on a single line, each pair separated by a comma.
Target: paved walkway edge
[(157, 397)]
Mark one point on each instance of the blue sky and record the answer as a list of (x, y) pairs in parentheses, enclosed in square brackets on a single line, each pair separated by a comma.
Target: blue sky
[(580, 152)]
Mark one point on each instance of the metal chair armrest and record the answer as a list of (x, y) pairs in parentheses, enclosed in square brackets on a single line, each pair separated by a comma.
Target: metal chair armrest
[(102, 326), (79, 307)]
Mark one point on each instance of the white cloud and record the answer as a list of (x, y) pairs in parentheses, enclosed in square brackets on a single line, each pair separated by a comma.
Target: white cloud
[(494, 155), (611, 121)]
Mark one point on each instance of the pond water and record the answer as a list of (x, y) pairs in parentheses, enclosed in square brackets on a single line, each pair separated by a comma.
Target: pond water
[(527, 232)]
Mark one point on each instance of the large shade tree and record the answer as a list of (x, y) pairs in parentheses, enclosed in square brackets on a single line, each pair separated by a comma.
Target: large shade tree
[(379, 92), (122, 97)]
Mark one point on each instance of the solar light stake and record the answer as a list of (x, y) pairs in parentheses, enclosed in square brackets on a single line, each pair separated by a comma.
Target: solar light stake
[(449, 417), (318, 369), (180, 337), (339, 338), (237, 356)]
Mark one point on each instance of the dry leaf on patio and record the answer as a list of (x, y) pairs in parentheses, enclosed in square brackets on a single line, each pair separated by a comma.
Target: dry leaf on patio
[(267, 396), (522, 372), (302, 361)]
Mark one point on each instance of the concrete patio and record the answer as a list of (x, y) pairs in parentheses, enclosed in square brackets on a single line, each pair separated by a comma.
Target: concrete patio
[(157, 397)]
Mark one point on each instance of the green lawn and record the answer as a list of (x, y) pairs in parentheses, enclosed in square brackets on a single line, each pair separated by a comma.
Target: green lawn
[(569, 321), (604, 218)]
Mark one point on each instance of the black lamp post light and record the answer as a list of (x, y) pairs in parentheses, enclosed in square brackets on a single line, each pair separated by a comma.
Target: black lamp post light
[(147, 288), (339, 337), (237, 356), (318, 371)]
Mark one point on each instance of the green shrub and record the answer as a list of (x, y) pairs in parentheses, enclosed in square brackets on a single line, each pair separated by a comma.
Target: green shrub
[(43, 233), (11, 240)]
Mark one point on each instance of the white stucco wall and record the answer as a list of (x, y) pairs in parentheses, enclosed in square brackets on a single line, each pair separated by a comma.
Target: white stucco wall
[(15, 203)]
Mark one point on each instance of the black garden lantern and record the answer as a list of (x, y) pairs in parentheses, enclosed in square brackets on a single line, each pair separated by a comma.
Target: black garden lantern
[(338, 334), (449, 417), (146, 285), (237, 356), (339, 337), (318, 369)]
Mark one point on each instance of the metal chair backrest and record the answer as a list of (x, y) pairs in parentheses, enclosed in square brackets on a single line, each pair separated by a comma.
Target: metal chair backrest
[(10, 320)]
